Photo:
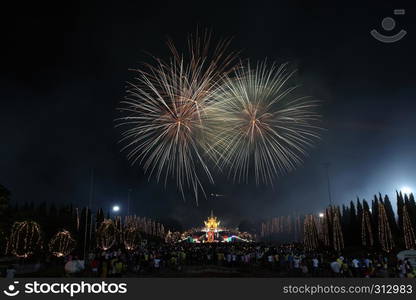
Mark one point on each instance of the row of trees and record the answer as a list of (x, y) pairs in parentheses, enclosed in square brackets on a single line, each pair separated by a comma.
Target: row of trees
[(359, 224), (53, 223), (352, 216)]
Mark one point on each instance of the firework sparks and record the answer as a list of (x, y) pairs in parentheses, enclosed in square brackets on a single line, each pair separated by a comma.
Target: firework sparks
[(165, 109), (258, 124)]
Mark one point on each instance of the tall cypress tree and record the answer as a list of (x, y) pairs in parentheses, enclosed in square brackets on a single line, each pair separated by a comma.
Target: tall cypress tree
[(374, 214), (345, 220), (400, 203), (391, 217), (412, 210), (366, 206), (359, 209), (354, 225), (345, 223), (406, 198)]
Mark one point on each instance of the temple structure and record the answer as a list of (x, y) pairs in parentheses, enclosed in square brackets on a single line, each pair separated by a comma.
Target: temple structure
[(211, 228), (211, 232)]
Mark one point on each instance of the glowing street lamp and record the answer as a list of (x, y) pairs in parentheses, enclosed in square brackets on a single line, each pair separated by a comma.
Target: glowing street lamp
[(116, 208), (406, 190), (321, 215)]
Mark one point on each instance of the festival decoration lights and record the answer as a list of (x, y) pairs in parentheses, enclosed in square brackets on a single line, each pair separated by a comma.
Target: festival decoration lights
[(107, 234), (384, 232), (62, 244), (25, 239)]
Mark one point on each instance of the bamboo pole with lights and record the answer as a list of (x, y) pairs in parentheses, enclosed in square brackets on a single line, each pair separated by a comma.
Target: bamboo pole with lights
[(384, 232), (408, 233)]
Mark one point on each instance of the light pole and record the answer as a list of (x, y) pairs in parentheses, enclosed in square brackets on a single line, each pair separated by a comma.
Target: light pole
[(88, 208), (128, 202)]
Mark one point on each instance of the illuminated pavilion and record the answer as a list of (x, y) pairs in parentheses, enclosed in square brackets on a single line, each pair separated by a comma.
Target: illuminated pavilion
[(211, 228), (211, 232)]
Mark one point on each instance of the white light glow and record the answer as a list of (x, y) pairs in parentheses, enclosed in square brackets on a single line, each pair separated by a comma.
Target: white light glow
[(116, 208), (406, 190), (321, 215)]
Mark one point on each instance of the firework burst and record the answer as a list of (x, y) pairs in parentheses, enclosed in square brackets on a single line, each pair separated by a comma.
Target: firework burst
[(165, 111), (258, 125)]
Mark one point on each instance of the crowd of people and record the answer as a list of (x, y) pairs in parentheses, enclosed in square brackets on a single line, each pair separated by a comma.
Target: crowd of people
[(244, 258)]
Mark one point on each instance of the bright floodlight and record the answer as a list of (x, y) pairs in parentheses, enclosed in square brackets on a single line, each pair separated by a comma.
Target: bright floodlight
[(321, 215), (406, 190), (116, 208)]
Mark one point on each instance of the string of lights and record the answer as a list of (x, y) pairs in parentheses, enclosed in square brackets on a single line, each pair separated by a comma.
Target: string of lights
[(25, 239), (310, 238), (338, 238), (408, 232), (62, 244), (131, 233), (384, 232), (366, 231), (106, 234)]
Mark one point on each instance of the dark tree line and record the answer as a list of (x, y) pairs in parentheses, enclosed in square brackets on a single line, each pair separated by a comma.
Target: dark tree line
[(354, 225), (50, 218), (352, 217), (82, 223)]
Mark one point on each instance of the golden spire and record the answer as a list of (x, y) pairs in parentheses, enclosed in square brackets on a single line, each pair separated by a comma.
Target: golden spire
[(212, 222)]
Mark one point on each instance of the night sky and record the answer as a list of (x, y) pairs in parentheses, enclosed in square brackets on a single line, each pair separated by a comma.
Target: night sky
[(64, 69)]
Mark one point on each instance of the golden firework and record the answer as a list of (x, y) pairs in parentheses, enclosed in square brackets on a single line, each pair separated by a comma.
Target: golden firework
[(258, 126), (165, 111)]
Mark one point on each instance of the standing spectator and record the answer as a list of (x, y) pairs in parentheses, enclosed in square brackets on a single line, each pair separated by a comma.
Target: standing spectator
[(315, 266), (336, 268), (304, 269), (355, 267), (156, 263), (296, 265), (10, 272)]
